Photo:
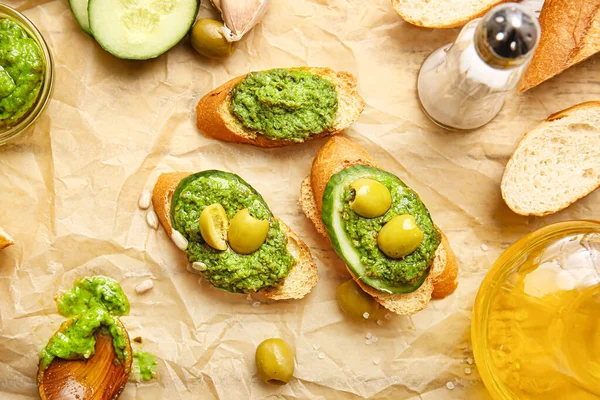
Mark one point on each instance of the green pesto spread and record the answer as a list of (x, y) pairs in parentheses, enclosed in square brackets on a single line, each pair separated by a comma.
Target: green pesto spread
[(228, 270), (284, 104), (363, 231), (144, 365), (92, 303), (21, 72)]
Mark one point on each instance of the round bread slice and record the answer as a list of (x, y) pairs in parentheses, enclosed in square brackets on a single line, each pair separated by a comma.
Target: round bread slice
[(555, 164), (301, 279), (340, 153), (214, 117), (442, 13)]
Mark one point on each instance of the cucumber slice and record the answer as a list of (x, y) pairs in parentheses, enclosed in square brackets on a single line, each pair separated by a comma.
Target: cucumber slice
[(332, 216), (140, 29), (79, 8)]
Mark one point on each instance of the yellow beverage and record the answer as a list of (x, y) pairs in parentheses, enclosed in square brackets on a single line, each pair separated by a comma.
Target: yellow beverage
[(536, 327)]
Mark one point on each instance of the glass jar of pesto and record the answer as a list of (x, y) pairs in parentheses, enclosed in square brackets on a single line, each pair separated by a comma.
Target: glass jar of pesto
[(26, 74)]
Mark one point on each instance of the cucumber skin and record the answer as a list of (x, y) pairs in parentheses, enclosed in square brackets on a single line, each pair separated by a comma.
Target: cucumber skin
[(122, 57), (87, 31), (328, 209)]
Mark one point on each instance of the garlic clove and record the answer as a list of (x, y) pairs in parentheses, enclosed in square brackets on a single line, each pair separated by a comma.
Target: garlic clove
[(241, 15)]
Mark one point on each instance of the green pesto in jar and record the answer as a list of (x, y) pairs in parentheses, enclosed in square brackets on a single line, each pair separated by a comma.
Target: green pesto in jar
[(21, 72), (93, 304), (228, 270), (285, 104), (144, 365)]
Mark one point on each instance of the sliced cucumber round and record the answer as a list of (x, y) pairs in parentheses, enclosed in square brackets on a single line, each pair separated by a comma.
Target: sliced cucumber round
[(404, 201), (79, 8), (140, 30)]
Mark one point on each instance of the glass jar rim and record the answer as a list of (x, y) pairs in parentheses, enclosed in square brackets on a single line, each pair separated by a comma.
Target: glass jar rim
[(497, 274), (27, 121)]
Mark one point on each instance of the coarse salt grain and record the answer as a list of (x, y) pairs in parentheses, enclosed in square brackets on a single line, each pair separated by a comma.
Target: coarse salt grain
[(388, 316), (316, 346), (369, 335), (144, 200), (470, 361), (379, 322), (484, 247), (374, 339), (368, 342), (366, 315), (152, 219), (179, 240), (144, 286), (256, 304), (468, 371), (321, 355), (249, 298), (450, 385), (376, 361)]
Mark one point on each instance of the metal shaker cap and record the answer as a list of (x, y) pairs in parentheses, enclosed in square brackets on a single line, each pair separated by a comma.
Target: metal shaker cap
[(507, 36)]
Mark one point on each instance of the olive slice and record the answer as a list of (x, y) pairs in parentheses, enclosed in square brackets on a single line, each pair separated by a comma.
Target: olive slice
[(213, 226), (246, 233), (372, 199), (400, 236)]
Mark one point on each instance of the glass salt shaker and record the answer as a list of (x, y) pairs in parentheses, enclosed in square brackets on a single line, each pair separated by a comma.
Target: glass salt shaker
[(462, 86)]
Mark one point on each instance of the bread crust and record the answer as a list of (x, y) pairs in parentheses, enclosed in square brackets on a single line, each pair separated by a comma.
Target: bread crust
[(340, 153), (301, 279), (504, 183), (566, 27), (214, 119), (397, 5)]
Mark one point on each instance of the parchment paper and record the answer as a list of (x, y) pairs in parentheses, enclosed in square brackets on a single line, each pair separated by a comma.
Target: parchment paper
[(70, 189)]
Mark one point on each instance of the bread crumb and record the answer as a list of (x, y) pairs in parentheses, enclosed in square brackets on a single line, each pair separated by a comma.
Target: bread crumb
[(138, 339), (144, 286), (450, 385), (144, 200)]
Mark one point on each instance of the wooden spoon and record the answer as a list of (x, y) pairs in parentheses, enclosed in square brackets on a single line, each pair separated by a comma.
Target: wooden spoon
[(98, 378)]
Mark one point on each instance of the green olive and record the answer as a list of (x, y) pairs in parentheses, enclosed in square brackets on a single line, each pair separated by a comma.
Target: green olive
[(275, 361), (246, 233), (372, 199), (208, 39), (400, 236), (213, 226), (355, 303)]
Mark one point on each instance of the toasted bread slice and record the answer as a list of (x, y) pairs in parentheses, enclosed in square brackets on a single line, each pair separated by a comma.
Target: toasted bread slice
[(442, 13), (5, 239), (214, 117), (570, 34), (340, 153), (556, 163), (301, 279)]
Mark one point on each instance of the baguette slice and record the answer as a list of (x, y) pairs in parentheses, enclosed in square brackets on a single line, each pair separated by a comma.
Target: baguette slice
[(5, 239), (340, 153), (442, 13), (570, 34), (301, 279), (214, 117), (555, 164)]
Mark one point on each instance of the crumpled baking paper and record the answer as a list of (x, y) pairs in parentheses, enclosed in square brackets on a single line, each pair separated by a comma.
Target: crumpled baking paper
[(70, 189)]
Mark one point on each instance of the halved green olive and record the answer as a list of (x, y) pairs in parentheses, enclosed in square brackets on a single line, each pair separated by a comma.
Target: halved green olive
[(355, 303), (400, 236), (213, 226), (275, 361), (208, 39), (246, 233), (372, 199)]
